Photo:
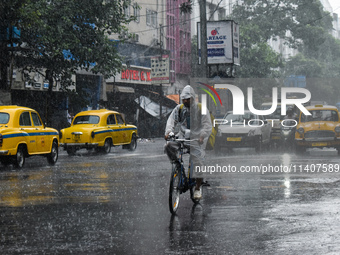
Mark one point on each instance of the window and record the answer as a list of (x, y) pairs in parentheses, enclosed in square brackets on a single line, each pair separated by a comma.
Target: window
[(87, 119), (221, 14), (151, 18), (111, 120), (25, 119), (136, 12), (127, 12), (4, 118), (120, 119), (36, 119)]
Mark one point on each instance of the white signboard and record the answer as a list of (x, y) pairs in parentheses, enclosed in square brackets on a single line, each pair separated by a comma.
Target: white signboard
[(222, 42), (160, 69)]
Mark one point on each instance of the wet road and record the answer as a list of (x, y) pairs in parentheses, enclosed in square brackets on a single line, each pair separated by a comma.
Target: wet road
[(118, 204)]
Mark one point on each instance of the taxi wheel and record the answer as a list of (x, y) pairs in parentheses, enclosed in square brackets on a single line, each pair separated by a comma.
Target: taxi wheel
[(107, 146), (133, 144), (19, 158), (52, 157)]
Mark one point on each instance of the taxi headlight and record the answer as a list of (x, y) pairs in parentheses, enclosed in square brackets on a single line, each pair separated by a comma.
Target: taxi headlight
[(337, 129), (301, 131)]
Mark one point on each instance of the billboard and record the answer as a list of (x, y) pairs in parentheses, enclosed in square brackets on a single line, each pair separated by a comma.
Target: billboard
[(160, 69), (222, 42)]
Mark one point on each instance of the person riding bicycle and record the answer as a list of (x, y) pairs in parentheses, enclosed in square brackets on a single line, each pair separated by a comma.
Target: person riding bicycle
[(190, 120)]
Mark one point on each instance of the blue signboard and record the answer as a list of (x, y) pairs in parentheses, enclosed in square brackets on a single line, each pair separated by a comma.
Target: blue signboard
[(298, 81)]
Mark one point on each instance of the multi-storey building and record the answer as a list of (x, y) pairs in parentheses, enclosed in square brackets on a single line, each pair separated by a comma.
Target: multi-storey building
[(178, 42)]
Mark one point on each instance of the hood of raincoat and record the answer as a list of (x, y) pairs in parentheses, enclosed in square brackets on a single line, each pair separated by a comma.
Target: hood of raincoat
[(187, 92)]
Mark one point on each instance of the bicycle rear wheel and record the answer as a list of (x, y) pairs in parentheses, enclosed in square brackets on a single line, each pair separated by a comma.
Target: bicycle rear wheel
[(174, 190)]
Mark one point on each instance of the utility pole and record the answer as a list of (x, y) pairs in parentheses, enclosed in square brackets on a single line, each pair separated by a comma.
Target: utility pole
[(203, 32), (160, 86)]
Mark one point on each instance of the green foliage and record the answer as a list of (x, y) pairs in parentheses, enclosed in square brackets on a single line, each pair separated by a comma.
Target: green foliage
[(258, 59), (77, 29), (301, 23)]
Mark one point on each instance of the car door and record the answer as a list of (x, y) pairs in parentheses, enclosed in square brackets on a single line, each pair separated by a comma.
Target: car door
[(42, 140), (25, 125), (112, 124), (123, 134)]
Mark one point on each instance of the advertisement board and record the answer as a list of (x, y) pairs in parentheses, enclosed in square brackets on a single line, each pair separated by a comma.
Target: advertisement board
[(160, 69), (222, 42)]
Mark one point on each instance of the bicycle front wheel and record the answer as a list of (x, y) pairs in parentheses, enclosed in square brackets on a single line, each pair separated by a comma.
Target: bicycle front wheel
[(174, 190)]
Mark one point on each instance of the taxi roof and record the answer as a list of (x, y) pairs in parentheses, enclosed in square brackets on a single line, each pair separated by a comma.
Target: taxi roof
[(321, 107), (14, 108), (97, 112)]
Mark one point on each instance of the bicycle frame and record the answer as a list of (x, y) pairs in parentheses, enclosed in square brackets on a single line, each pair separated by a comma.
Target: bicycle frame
[(179, 182), (186, 182)]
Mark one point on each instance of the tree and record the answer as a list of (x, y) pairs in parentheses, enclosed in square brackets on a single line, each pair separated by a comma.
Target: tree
[(61, 37), (301, 23)]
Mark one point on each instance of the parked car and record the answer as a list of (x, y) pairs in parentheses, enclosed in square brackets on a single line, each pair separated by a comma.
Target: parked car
[(22, 134), (247, 130), (318, 130), (98, 129)]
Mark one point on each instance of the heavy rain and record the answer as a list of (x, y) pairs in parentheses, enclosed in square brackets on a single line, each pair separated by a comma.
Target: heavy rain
[(99, 101)]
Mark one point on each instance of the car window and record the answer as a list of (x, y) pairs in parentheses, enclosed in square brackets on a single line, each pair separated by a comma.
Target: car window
[(111, 120), (86, 119), (4, 118), (119, 119), (320, 115), (36, 119), (25, 119)]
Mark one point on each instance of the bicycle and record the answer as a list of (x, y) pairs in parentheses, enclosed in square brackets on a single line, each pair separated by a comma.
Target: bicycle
[(179, 181)]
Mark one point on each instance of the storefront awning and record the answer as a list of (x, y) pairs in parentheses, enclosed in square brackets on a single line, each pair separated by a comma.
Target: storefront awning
[(152, 107), (174, 97), (122, 89)]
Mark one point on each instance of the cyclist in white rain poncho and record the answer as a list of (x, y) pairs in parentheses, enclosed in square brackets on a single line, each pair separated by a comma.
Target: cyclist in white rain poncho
[(189, 120)]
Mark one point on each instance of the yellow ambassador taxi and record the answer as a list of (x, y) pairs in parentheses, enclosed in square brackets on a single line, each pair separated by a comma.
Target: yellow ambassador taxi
[(99, 129), (318, 130), (22, 134)]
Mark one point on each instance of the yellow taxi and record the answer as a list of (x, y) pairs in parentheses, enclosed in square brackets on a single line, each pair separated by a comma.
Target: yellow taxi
[(99, 129), (320, 129), (22, 134)]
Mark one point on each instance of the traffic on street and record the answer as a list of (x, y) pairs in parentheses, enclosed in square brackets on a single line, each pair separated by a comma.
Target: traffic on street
[(117, 203)]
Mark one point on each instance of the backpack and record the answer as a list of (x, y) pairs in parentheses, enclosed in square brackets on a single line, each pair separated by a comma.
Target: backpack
[(211, 140)]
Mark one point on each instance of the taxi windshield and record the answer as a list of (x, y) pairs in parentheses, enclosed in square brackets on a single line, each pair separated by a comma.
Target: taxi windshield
[(86, 119), (4, 118), (320, 115)]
